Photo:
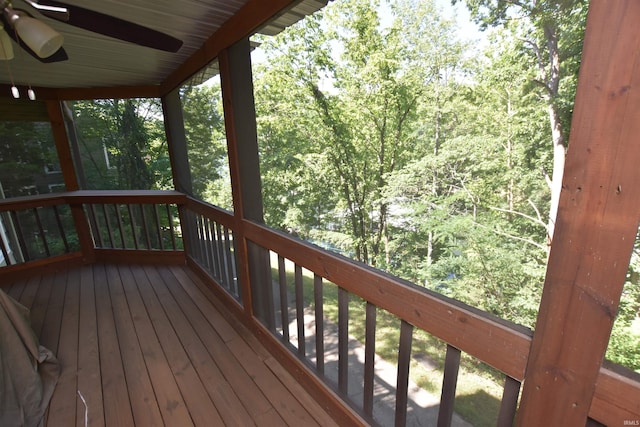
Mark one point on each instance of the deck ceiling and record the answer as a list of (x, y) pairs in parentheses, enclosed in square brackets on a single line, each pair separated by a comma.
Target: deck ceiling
[(100, 61)]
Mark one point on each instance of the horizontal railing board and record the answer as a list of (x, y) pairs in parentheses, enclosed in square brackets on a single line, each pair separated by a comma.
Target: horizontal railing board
[(616, 398), (215, 213), (30, 202), (504, 347), (125, 196), (42, 265), (93, 196)]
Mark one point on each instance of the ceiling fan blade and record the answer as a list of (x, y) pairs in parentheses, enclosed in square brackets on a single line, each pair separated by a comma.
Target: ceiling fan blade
[(111, 26), (59, 56)]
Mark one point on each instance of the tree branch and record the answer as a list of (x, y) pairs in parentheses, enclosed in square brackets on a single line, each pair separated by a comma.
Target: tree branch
[(511, 236), (529, 217)]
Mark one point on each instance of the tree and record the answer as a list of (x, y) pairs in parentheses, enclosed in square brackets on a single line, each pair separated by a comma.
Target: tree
[(364, 83), (26, 148), (206, 144), (551, 31), (122, 143)]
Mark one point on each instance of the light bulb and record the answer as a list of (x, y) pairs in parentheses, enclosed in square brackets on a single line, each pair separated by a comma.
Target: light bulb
[(32, 94), (15, 92)]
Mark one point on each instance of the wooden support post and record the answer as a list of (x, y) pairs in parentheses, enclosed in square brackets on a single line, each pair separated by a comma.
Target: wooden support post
[(177, 142), (244, 165), (179, 158), (596, 225), (56, 117)]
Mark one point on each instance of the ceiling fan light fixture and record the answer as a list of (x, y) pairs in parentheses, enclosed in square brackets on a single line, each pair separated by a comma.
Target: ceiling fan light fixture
[(6, 49), (41, 38)]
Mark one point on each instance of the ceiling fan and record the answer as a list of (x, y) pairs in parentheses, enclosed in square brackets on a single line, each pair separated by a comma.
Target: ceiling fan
[(45, 44)]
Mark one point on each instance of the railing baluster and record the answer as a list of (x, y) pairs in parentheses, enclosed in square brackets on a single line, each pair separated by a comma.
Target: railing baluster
[(210, 248), (134, 232), (20, 234), (203, 242), (63, 234), (509, 402), (219, 247), (145, 226), (228, 261), (402, 386), (319, 312), (300, 311), (343, 341), (284, 305), (5, 251), (449, 382), (218, 252), (108, 223), (156, 217), (234, 259), (170, 219), (116, 208), (593, 423), (94, 221), (41, 232), (369, 359)]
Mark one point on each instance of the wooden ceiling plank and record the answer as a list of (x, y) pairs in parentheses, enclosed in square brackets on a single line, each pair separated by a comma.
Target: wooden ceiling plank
[(250, 17)]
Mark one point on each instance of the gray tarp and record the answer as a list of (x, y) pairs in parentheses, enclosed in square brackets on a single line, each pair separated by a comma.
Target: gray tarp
[(28, 371)]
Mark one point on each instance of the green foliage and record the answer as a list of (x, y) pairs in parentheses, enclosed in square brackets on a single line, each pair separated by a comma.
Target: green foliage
[(122, 144), (26, 148), (206, 143)]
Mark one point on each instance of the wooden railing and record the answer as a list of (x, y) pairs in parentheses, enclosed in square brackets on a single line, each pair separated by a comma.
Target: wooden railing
[(306, 283), (298, 309), (212, 244), (80, 224), (464, 329), (35, 228)]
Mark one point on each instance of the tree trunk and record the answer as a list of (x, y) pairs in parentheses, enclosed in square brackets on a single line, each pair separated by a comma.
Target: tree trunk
[(557, 133)]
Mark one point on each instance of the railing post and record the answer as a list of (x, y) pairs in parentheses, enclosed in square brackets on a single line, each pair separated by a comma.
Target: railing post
[(244, 166)]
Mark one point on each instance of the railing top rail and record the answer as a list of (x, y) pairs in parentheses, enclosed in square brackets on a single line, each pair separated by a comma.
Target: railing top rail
[(125, 196), (93, 196), (29, 202), (216, 213)]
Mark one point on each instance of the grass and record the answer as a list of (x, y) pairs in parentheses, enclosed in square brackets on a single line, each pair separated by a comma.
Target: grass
[(479, 388)]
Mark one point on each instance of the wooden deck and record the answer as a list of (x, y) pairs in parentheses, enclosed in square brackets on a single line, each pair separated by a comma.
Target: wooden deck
[(151, 346)]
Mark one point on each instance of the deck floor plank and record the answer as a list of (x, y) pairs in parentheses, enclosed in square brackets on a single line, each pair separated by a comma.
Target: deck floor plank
[(252, 355), (202, 410), (39, 306), (170, 401), (151, 346), (117, 406), (50, 331), (30, 291), (144, 404), (62, 409), (176, 305), (89, 379), (206, 321)]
